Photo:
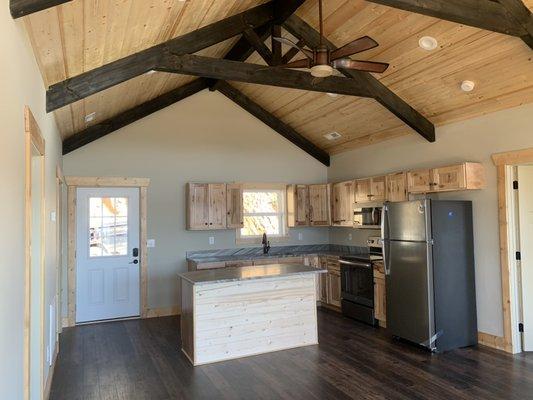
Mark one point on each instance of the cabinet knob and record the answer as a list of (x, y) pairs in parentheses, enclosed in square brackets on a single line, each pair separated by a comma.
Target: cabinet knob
[(206, 223), (210, 223)]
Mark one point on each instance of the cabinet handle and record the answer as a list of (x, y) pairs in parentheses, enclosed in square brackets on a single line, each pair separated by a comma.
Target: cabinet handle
[(370, 195)]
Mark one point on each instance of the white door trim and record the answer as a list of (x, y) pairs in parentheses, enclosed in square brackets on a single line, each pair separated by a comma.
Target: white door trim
[(73, 183)]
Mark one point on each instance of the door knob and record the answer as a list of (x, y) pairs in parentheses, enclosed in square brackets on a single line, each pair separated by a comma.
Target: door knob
[(135, 262)]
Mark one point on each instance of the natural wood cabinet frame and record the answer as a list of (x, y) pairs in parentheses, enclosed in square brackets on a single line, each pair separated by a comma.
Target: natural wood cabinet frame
[(73, 183)]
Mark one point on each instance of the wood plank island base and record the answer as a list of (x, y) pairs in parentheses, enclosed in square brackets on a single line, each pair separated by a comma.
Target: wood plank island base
[(238, 312)]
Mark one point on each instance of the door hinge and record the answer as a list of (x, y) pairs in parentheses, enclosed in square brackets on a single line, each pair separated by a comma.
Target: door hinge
[(515, 185), (518, 256), (520, 327)]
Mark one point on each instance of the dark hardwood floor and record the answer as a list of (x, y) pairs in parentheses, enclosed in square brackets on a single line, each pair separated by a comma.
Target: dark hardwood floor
[(141, 359)]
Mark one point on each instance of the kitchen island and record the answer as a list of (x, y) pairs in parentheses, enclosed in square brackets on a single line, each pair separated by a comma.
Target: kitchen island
[(237, 312)]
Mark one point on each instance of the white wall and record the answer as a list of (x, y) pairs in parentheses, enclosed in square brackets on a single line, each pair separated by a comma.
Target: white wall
[(473, 140), (204, 138), (21, 85)]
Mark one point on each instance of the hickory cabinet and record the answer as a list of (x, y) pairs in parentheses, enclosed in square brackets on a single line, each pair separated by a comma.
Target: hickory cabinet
[(342, 199), (465, 176), (319, 205), (370, 189), (298, 205), (397, 186), (333, 279), (214, 206), (380, 306)]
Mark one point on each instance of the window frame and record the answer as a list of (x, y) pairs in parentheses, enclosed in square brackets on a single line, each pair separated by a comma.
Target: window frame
[(265, 187)]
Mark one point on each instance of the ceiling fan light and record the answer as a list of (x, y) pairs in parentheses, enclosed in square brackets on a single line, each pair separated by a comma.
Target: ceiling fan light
[(321, 71)]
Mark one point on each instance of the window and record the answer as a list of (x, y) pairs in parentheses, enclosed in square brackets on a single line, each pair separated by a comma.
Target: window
[(263, 212), (108, 226)]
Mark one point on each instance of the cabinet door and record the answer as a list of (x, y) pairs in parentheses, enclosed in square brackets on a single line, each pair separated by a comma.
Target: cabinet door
[(397, 187), (217, 206), (301, 214), (377, 188), (362, 190), (379, 300), (319, 213), (234, 218), (419, 181), (342, 200), (323, 288), (449, 178), (197, 206), (334, 288)]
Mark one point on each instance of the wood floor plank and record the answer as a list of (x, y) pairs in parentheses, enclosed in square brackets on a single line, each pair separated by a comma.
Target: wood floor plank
[(141, 359)]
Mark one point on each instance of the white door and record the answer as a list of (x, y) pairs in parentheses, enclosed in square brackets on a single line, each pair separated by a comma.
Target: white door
[(525, 205), (107, 253)]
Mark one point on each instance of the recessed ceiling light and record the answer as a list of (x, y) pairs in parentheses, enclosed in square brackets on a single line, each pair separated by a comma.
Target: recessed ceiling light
[(90, 117), (332, 135), (467, 86), (333, 95), (428, 43)]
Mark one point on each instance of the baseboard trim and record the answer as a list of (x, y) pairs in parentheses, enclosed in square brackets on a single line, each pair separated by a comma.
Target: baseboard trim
[(48, 386), (162, 312), (493, 341)]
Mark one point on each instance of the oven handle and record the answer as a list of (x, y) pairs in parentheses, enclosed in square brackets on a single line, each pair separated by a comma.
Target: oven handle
[(355, 264)]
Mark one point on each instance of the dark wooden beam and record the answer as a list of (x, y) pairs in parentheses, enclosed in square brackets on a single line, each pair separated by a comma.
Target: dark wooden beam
[(484, 14), (280, 127), (216, 68), (258, 44), (88, 83), (523, 17), (276, 46), (104, 128), (300, 29), (289, 55), (20, 8)]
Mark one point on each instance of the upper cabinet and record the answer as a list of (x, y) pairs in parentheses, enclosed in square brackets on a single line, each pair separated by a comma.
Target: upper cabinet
[(234, 216), (370, 189), (397, 186), (319, 205), (342, 199), (464, 176), (206, 206), (298, 205)]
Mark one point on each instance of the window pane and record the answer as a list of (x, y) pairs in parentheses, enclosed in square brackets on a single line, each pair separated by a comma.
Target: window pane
[(257, 225), (261, 202), (108, 226)]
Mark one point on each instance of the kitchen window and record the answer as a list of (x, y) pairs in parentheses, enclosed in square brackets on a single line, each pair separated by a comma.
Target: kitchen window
[(263, 212)]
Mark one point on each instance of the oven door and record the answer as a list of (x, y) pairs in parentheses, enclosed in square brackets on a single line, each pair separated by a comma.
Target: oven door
[(357, 282)]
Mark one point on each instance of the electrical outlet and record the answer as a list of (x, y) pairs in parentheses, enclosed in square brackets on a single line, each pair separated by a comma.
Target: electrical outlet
[(150, 243), (53, 216), (300, 236), (349, 236), (211, 240)]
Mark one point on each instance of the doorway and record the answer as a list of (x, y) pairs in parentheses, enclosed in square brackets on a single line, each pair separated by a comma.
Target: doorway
[(107, 254), (524, 229)]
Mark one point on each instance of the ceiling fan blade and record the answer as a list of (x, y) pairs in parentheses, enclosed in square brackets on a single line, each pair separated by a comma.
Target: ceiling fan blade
[(288, 42), (358, 45), (303, 63), (368, 66)]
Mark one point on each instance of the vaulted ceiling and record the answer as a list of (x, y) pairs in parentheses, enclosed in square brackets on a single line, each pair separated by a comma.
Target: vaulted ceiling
[(81, 35)]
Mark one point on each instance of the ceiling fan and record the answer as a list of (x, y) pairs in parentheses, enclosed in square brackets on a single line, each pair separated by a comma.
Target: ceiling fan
[(322, 61)]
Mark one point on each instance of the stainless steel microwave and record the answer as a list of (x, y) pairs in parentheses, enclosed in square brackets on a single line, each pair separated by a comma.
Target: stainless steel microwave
[(367, 215)]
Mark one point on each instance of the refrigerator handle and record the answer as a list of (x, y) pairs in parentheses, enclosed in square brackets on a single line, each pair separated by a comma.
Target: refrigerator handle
[(384, 238)]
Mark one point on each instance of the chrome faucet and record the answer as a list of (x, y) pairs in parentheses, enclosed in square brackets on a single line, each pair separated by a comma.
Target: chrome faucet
[(265, 243)]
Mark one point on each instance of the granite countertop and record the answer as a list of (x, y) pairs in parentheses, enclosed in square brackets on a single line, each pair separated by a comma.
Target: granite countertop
[(245, 273), (245, 254)]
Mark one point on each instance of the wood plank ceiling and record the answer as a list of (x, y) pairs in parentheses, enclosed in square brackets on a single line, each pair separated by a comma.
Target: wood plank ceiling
[(84, 34)]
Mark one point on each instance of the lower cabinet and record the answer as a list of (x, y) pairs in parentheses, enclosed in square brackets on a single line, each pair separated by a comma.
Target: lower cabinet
[(380, 307), (334, 288)]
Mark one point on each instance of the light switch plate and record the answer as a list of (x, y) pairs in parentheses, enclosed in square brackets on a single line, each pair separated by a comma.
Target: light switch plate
[(349, 236), (53, 216), (150, 243), (300, 236), (211, 240)]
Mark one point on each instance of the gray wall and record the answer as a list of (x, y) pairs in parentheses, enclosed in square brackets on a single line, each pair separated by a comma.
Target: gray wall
[(472, 140), (205, 138), (21, 84)]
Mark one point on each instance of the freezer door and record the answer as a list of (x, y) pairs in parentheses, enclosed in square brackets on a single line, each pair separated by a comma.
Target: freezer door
[(407, 220), (409, 287)]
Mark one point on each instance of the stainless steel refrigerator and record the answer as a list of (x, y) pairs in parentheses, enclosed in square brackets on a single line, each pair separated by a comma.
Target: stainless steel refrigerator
[(428, 251)]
